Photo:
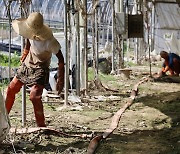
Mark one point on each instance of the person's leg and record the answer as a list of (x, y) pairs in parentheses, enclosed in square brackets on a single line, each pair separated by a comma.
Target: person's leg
[(176, 66), (13, 88), (35, 97), (166, 64), (171, 71)]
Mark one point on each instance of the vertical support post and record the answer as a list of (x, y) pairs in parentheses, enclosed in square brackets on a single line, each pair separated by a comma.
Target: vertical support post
[(148, 30), (153, 27), (136, 39), (108, 30), (23, 93), (23, 108), (9, 17), (149, 55), (94, 43), (122, 50), (9, 52), (96, 40), (66, 55), (85, 49), (78, 55), (136, 50), (128, 52), (103, 36), (113, 43), (121, 39)]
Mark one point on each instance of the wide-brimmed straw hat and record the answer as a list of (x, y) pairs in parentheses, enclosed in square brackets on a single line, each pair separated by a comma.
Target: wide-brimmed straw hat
[(32, 27)]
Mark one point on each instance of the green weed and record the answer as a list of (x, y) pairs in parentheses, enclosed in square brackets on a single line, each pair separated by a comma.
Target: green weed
[(15, 60), (103, 77)]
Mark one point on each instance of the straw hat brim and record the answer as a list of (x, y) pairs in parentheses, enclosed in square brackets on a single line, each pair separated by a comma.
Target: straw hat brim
[(21, 27)]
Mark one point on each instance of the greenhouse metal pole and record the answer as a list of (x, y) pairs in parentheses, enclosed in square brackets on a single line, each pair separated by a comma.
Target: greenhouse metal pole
[(23, 108), (113, 44), (153, 27), (82, 53), (136, 39), (119, 39), (78, 55), (85, 49), (23, 92), (96, 39), (94, 43), (66, 55), (9, 17), (9, 52), (149, 52)]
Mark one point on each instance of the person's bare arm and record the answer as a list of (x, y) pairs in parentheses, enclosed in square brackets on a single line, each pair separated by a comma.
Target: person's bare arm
[(166, 69)]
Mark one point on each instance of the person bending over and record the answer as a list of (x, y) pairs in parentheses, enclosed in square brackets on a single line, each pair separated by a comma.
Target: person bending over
[(35, 62)]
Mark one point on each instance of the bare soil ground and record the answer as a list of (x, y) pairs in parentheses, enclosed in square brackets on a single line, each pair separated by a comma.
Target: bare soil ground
[(151, 125)]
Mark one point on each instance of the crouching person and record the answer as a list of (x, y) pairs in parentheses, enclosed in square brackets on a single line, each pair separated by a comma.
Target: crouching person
[(35, 61), (171, 64)]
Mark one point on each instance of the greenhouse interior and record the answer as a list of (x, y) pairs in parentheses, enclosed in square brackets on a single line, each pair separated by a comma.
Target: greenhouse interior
[(89, 76)]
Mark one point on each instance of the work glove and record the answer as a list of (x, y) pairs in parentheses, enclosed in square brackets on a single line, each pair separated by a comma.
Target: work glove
[(60, 78), (24, 55), (25, 51)]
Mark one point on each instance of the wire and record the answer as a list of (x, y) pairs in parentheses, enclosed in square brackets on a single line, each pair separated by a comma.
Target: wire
[(12, 142)]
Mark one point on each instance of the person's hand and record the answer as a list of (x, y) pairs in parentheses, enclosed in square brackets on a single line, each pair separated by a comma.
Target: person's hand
[(161, 74)]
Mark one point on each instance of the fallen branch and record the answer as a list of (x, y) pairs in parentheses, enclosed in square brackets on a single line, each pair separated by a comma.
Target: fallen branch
[(47, 130), (115, 120)]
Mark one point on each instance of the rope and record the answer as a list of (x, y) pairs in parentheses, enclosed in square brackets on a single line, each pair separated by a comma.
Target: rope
[(116, 118)]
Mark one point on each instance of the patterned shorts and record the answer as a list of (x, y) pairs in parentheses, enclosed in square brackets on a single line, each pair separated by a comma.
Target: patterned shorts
[(32, 76)]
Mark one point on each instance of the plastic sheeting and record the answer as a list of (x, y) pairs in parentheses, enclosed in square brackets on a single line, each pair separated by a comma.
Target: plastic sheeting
[(167, 40), (4, 120), (173, 44), (167, 16), (167, 27)]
